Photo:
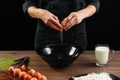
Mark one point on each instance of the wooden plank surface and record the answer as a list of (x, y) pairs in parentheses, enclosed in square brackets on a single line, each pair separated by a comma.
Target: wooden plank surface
[(85, 63)]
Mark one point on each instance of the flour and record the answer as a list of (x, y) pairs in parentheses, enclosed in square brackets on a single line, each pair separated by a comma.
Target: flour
[(94, 76)]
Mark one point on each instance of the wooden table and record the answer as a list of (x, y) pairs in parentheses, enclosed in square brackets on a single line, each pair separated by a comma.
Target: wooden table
[(85, 63)]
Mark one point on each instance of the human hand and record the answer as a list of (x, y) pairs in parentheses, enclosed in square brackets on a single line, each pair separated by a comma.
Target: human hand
[(51, 20), (73, 19)]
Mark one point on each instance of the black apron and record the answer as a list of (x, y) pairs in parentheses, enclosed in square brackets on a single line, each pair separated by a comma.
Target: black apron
[(46, 35)]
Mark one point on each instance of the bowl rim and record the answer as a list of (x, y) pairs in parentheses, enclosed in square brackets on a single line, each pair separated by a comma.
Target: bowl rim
[(60, 44), (70, 45), (77, 50)]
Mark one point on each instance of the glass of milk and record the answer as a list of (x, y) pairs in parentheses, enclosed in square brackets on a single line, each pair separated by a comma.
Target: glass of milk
[(102, 54)]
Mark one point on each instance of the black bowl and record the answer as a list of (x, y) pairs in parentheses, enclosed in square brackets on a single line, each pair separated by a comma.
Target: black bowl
[(60, 55)]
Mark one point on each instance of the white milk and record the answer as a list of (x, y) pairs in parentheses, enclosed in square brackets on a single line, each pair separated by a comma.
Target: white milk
[(101, 55)]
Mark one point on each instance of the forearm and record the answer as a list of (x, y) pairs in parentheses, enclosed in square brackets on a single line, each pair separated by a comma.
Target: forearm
[(35, 12), (88, 11)]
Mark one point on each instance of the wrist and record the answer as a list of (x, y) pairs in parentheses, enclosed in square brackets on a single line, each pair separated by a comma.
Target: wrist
[(81, 14), (39, 13), (87, 12), (35, 12)]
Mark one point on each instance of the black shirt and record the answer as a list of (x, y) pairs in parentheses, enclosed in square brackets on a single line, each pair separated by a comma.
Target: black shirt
[(61, 8)]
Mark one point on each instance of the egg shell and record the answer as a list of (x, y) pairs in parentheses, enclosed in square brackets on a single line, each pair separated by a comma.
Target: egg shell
[(37, 75), (17, 71), (21, 75), (34, 78), (31, 72), (43, 77), (11, 69), (23, 68), (27, 77)]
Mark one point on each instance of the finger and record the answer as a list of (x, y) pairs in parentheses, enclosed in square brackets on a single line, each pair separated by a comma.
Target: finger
[(56, 23), (63, 23), (70, 17), (70, 25), (56, 18), (67, 28), (66, 20), (51, 24), (71, 22)]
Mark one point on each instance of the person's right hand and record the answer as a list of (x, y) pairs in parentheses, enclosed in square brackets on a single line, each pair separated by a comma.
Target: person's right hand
[(50, 19)]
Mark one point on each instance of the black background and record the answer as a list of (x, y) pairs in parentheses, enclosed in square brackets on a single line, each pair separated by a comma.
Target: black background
[(17, 31)]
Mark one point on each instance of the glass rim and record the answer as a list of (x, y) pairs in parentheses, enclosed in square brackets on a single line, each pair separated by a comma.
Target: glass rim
[(102, 45)]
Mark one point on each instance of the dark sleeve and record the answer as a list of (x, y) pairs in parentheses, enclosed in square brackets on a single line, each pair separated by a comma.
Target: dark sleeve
[(96, 3), (29, 3)]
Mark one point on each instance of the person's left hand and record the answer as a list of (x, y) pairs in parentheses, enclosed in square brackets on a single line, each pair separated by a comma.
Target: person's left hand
[(73, 19)]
